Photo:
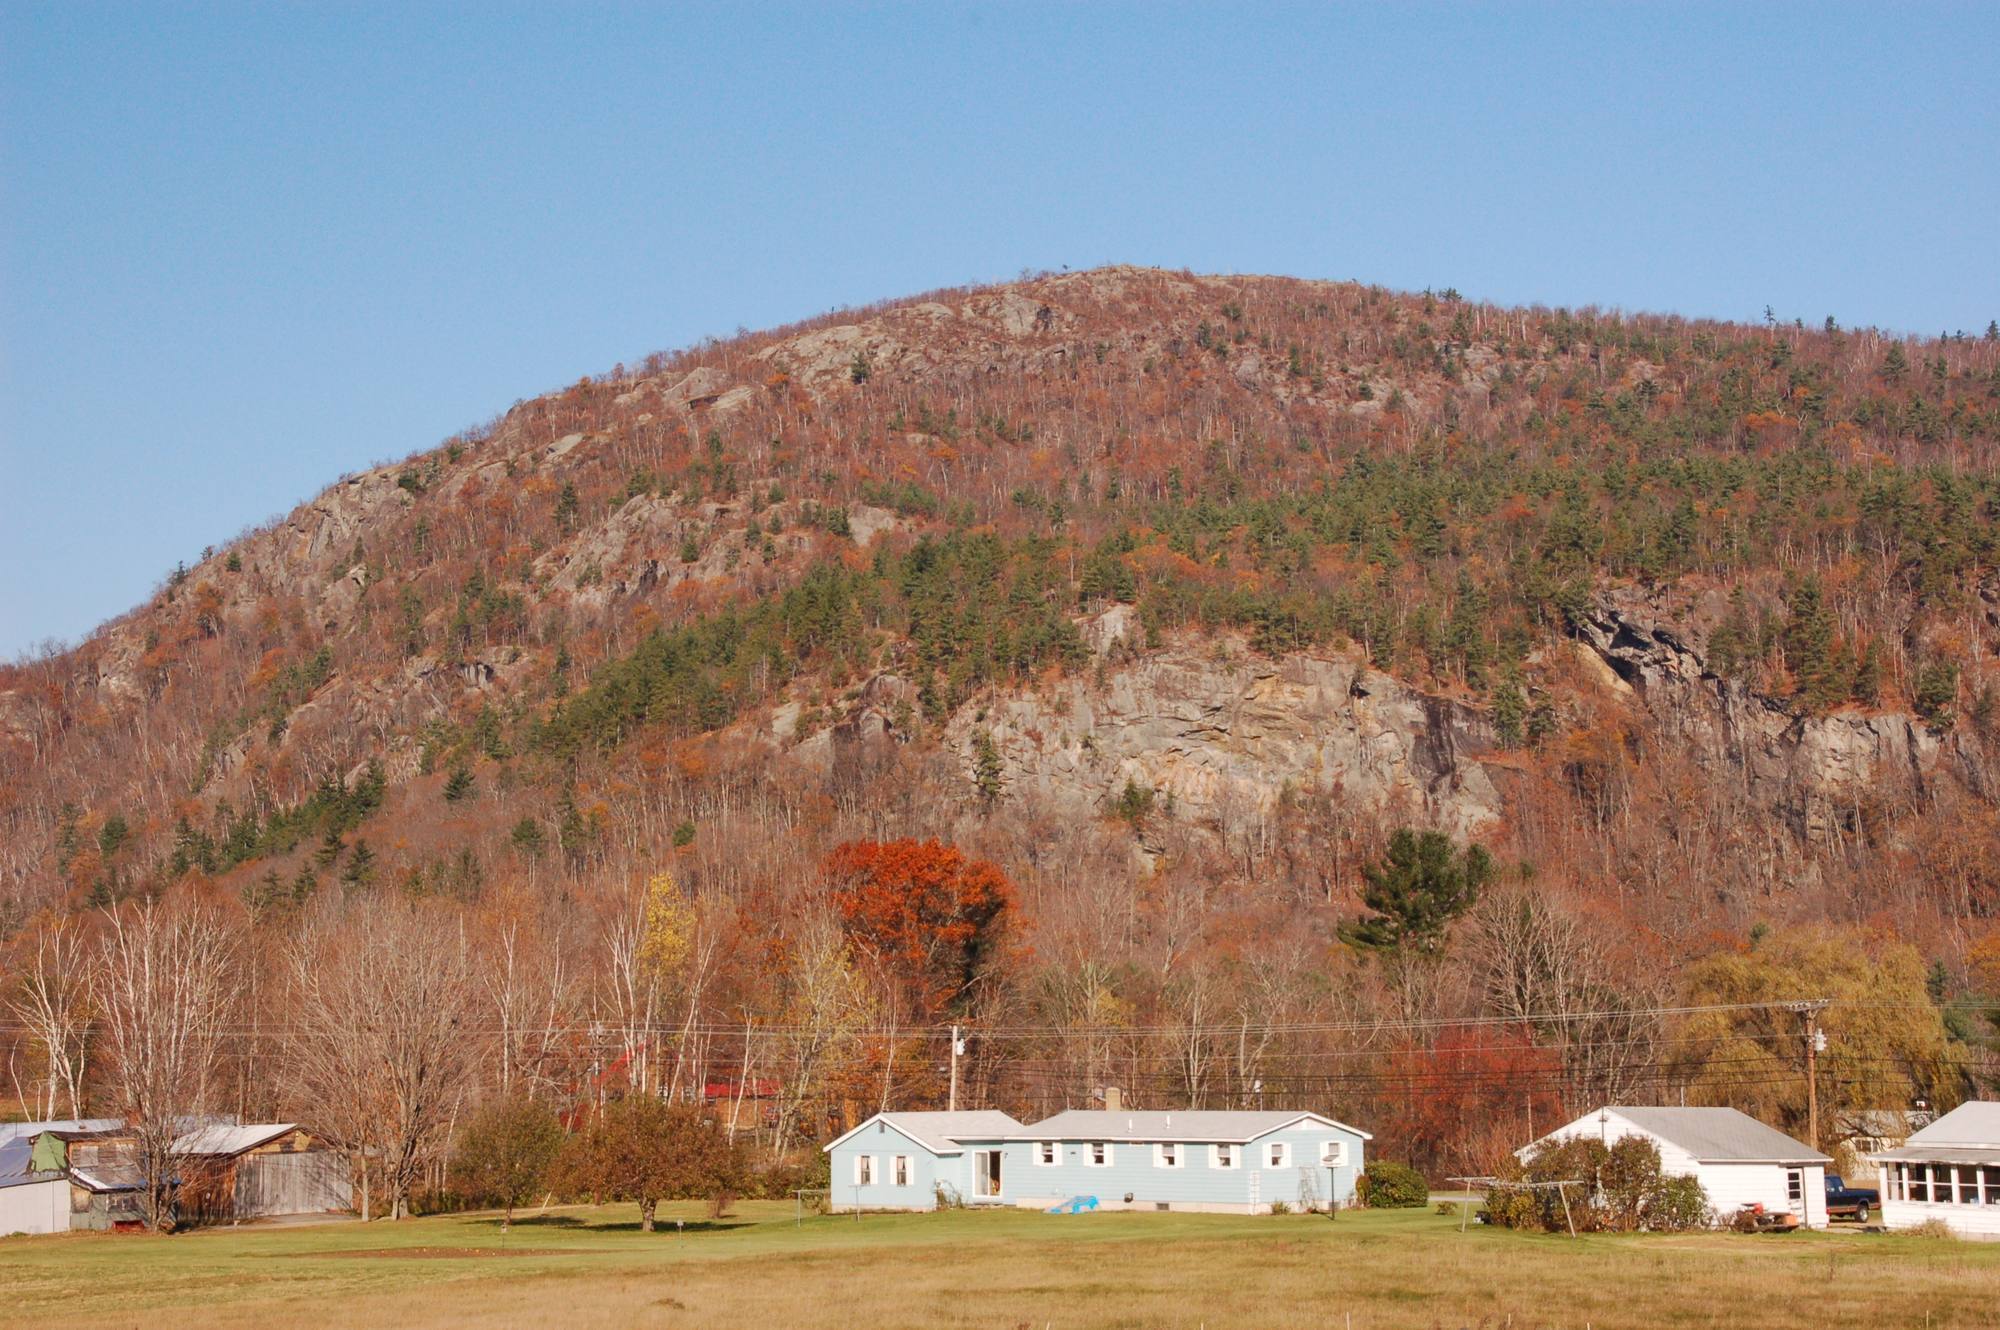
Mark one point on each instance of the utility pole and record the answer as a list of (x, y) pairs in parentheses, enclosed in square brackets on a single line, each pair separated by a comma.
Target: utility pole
[(957, 1047), (1815, 1045)]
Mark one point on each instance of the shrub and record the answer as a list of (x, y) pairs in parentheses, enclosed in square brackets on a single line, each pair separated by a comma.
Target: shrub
[(1280, 1208), (778, 1181), (1392, 1186), (1623, 1191), (1932, 1228), (1678, 1206)]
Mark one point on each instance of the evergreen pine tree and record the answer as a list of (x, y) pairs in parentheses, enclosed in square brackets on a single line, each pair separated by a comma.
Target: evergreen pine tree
[(1867, 688), (1510, 712), (1895, 364), (360, 869), (986, 767), (527, 837), (1414, 893), (1809, 652)]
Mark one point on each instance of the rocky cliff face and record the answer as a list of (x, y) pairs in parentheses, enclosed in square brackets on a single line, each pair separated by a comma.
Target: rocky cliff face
[(1221, 734), (1811, 770)]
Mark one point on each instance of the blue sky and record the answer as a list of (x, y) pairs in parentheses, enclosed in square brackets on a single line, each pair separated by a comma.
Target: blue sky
[(246, 248)]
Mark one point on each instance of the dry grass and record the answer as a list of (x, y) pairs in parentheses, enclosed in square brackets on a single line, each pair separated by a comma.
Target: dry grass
[(1371, 1272)]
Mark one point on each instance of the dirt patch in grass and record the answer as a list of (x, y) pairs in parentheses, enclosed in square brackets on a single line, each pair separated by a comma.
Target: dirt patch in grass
[(430, 1253)]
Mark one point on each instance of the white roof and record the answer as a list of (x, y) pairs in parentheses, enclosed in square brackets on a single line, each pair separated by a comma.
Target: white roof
[(940, 1133), (1228, 1126), (224, 1139), (1974, 1123), (14, 1131), (1711, 1135)]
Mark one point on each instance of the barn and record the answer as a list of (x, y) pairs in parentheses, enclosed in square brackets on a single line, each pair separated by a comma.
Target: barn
[(1738, 1160), (258, 1170), (1948, 1171)]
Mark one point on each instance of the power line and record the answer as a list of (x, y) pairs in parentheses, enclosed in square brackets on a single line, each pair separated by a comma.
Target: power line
[(1023, 1032)]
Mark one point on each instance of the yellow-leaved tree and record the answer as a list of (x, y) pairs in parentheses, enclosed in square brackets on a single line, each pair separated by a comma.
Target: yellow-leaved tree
[(1886, 1041)]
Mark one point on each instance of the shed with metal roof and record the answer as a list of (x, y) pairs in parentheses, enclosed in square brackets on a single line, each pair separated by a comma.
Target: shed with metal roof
[(1739, 1161)]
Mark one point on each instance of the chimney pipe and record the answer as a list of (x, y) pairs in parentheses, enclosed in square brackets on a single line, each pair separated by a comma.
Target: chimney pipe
[(1113, 1099)]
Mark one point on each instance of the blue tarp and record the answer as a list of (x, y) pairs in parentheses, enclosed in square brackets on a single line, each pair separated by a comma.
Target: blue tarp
[(1075, 1205)]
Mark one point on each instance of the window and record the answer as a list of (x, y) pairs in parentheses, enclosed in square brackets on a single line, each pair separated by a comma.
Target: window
[(1332, 1154), (1100, 1154), (1224, 1156), (1167, 1155), (864, 1170), (1279, 1155), (1992, 1176), (1045, 1152), (1920, 1182), (1795, 1186), (1968, 1184), (902, 1171)]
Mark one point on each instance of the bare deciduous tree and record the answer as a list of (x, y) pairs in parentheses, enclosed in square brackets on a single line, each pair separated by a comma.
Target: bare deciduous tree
[(386, 1012), (165, 982), (52, 1003)]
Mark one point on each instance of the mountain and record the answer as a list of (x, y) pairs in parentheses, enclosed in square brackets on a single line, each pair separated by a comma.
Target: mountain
[(1170, 595)]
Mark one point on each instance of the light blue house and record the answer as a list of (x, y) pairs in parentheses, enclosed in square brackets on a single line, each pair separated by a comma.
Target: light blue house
[(910, 1161), (1210, 1161)]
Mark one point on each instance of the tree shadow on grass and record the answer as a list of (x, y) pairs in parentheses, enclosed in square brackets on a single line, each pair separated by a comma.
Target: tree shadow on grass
[(537, 1221), (665, 1228), (662, 1227)]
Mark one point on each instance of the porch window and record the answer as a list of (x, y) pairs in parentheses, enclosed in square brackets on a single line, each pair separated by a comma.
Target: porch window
[(1992, 1179), (1968, 1184), (902, 1172), (1225, 1156), (1045, 1152), (1920, 1182), (864, 1170), (1280, 1155)]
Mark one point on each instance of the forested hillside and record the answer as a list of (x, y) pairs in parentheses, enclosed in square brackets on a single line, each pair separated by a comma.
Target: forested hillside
[(1059, 660)]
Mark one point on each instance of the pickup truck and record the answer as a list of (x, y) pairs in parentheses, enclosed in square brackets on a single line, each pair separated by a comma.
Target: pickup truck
[(1856, 1203)]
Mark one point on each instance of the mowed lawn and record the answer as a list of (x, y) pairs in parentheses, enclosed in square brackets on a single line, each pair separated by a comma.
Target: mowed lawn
[(755, 1271)]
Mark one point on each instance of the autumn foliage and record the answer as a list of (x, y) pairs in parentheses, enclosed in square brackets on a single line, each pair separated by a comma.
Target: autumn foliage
[(925, 911)]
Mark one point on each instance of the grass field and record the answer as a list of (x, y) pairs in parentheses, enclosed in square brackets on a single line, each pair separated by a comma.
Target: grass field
[(756, 1271)]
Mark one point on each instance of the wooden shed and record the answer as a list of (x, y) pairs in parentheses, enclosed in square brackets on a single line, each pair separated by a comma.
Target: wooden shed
[(259, 1170)]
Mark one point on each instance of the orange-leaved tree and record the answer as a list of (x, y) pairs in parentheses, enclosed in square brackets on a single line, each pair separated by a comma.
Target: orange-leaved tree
[(927, 914)]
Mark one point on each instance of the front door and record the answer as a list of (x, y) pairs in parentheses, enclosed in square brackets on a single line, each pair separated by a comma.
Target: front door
[(986, 1173)]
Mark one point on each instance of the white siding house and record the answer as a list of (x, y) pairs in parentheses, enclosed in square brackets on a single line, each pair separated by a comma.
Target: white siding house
[(1738, 1160), (1949, 1170)]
